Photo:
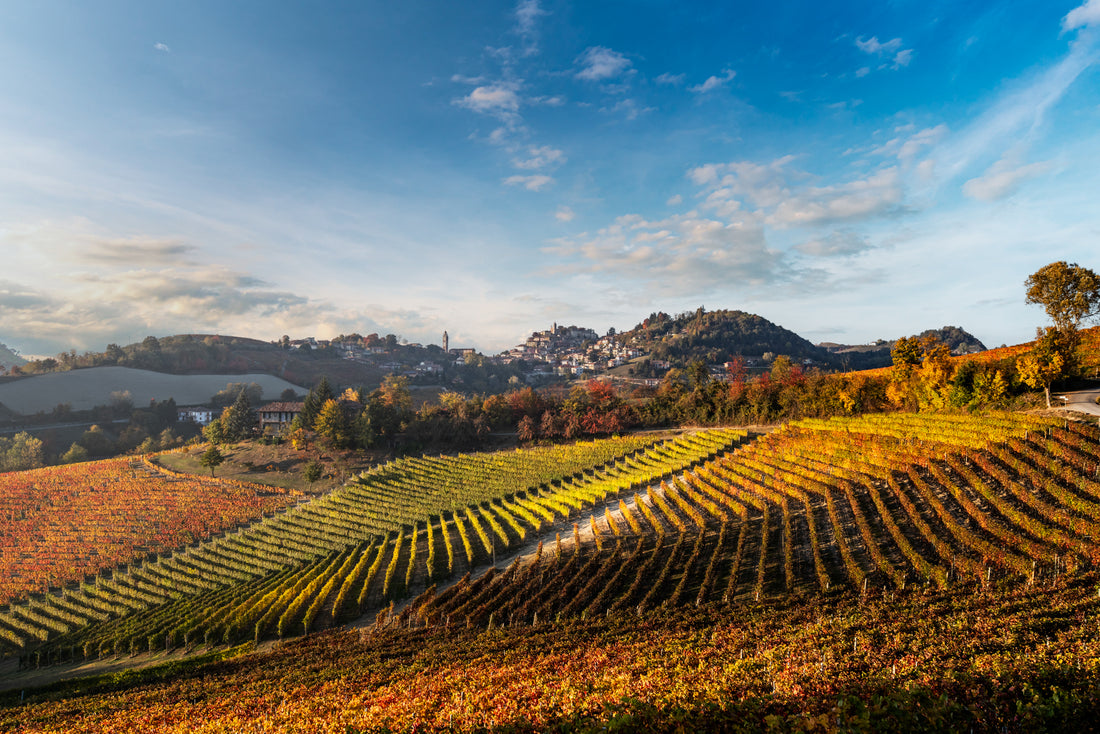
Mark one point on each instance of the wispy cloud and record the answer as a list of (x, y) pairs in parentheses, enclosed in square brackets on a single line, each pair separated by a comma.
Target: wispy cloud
[(527, 15), (564, 214), (539, 157), (714, 82), (162, 47), (675, 255), (892, 50), (672, 80), (135, 251), (536, 182), (838, 243), (1002, 179), (600, 64), (876, 47), (1082, 16)]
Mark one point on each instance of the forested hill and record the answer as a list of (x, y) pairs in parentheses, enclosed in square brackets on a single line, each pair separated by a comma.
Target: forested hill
[(877, 354), (720, 336)]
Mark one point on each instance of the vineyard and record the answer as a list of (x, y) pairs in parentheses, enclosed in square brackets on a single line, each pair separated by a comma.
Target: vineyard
[(400, 526), (966, 659), (61, 524), (878, 502), (943, 564)]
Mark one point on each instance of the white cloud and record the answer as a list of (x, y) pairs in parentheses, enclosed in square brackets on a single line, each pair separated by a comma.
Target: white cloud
[(875, 47), (906, 147), (599, 63), (684, 253), (1082, 16), (531, 183), (527, 14), (902, 58), (714, 82), (498, 99), (541, 157), (162, 47), (564, 214), (673, 80), (875, 195), (892, 49), (779, 194), (1002, 180), (675, 200)]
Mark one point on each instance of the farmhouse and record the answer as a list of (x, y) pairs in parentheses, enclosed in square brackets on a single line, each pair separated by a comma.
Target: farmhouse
[(277, 415), (201, 416)]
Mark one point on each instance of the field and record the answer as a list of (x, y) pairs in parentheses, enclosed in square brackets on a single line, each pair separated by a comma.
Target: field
[(87, 388), (934, 570), (63, 523)]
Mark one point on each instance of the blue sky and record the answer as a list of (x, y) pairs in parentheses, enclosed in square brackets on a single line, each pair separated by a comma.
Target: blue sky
[(850, 171)]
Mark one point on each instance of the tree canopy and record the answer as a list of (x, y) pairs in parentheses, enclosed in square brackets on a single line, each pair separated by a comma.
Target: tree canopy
[(1068, 292)]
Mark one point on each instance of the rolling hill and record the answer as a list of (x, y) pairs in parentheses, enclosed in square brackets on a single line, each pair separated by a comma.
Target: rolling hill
[(86, 388)]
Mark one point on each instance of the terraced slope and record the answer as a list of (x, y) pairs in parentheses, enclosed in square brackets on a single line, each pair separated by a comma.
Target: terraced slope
[(396, 528), (879, 502), (61, 523)]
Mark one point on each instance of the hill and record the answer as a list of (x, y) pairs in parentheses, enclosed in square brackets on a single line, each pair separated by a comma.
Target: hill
[(9, 358), (877, 354), (84, 389), (715, 337)]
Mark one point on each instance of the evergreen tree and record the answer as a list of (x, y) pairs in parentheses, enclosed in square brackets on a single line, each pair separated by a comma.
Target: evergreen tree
[(238, 420), (314, 401)]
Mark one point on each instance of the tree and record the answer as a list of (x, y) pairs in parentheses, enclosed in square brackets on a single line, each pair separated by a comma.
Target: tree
[(312, 472), (75, 454), (1046, 363), (332, 424), (907, 351), (212, 458), (24, 451), (213, 432), (1068, 292), (238, 420), (316, 398), (527, 429)]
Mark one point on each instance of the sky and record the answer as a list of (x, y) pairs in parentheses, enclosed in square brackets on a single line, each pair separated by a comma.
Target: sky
[(848, 170)]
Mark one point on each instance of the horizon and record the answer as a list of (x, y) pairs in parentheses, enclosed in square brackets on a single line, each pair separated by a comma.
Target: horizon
[(849, 173)]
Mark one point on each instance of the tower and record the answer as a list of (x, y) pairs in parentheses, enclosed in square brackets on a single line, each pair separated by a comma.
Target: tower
[(446, 341)]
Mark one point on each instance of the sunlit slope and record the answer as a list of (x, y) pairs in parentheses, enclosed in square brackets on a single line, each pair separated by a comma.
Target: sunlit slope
[(872, 503), (402, 525), (61, 523)]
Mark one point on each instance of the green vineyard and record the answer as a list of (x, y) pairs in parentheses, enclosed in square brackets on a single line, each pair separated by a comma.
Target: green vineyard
[(401, 526)]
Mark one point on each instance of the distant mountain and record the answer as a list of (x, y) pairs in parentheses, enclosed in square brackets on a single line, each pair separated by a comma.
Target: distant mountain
[(10, 358), (720, 336), (877, 353)]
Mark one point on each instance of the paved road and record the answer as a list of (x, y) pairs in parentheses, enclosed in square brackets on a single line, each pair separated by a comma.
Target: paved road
[(1080, 401)]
